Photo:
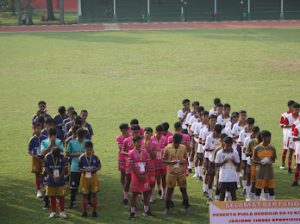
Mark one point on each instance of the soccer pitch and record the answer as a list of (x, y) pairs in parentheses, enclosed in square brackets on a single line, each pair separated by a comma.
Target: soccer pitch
[(118, 76)]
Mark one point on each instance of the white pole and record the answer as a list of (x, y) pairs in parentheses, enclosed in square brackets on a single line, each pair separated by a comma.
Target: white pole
[(215, 7), (79, 7), (281, 10), (115, 11), (249, 7), (148, 8)]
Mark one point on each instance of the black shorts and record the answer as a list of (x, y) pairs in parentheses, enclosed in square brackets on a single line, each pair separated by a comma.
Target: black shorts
[(228, 186), (185, 131), (200, 156), (74, 180)]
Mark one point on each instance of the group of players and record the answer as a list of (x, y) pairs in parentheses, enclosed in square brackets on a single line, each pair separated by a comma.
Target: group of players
[(290, 124), (226, 150), (62, 150)]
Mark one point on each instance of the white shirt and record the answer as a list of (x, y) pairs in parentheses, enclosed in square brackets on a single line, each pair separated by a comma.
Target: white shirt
[(180, 115), (241, 140), (211, 144), (193, 126), (201, 138), (223, 121), (236, 129), (212, 112), (227, 172)]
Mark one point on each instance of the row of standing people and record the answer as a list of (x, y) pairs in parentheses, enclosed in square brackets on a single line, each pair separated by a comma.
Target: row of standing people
[(62, 152)]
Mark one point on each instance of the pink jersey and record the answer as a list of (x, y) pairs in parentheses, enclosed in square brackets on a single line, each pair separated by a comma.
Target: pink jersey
[(127, 147), (121, 158), (168, 135), (120, 141), (128, 144), (160, 146), (185, 139), (151, 146), (141, 132), (140, 161)]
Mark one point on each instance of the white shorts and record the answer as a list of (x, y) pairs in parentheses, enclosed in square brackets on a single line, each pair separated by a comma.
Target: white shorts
[(285, 138), (200, 148), (297, 151)]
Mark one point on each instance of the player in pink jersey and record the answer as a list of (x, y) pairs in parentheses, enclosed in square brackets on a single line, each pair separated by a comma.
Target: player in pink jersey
[(136, 122), (185, 140), (121, 158), (289, 121), (185, 137), (150, 146), (166, 131), (138, 160), (160, 168), (127, 147), (285, 130), (296, 139)]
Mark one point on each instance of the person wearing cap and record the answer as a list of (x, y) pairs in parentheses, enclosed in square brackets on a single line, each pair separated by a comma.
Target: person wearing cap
[(227, 160)]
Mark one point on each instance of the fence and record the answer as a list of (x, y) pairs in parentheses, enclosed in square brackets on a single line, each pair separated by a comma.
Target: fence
[(187, 10), (93, 11)]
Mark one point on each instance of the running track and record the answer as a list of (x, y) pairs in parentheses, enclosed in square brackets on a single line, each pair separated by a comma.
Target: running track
[(148, 26)]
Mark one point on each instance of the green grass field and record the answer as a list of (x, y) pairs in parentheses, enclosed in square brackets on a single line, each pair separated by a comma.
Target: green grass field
[(117, 76)]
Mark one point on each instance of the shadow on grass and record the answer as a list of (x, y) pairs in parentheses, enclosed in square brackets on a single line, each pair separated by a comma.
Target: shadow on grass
[(18, 204)]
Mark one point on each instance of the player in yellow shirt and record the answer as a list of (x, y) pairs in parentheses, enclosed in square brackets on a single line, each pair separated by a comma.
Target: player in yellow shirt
[(175, 157)]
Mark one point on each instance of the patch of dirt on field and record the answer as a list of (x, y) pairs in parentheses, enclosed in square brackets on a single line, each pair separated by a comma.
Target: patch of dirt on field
[(285, 65)]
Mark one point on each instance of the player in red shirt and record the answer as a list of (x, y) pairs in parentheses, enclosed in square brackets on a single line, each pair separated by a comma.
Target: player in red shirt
[(150, 146), (127, 147), (285, 130), (138, 160), (122, 158), (160, 168), (290, 124)]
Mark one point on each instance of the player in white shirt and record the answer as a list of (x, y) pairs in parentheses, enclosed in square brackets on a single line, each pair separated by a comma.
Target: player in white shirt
[(227, 159), (191, 118), (296, 139), (250, 143), (224, 118), (234, 118), (182, 114), (291, 121), (212, 142), (214, 109), (245, 133), (195, 139), (206, 131), (236, 129), (285, 130), (198, 138)]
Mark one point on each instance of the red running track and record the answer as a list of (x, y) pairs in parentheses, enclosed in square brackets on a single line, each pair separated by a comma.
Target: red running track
[(148, 26)]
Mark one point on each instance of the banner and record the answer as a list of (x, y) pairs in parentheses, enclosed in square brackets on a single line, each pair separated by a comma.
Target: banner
[(255, 212)]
